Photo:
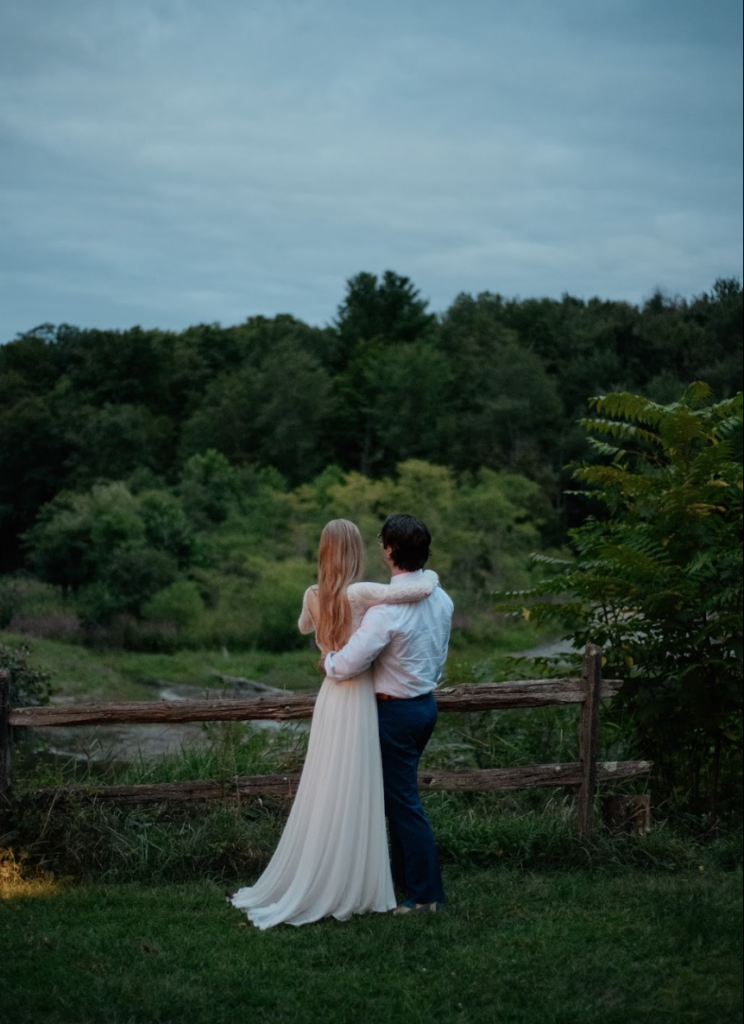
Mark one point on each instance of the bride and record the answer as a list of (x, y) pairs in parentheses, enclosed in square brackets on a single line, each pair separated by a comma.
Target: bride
[(332, 858)]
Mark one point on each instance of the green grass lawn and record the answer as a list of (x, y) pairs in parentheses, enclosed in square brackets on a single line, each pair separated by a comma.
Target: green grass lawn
[(513, 947)]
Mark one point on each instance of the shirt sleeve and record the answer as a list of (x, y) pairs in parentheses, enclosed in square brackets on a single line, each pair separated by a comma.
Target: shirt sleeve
[(374, 634), (370, 594)]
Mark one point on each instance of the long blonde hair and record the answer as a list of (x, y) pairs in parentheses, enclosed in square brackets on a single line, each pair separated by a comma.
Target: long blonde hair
[(340, 562)]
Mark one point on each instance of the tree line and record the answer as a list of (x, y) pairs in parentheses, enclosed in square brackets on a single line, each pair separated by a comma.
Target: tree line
[(492, 383)]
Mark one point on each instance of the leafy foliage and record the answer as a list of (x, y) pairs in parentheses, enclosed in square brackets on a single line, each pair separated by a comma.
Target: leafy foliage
[(491, 383), (657, 580), (224, 556), (27, 685)]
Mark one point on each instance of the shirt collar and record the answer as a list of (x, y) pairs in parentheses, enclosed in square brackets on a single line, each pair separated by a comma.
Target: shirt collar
[(405, 577)]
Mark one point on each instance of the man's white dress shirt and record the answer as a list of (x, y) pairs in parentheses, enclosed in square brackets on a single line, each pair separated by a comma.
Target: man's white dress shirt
[(406, 644)]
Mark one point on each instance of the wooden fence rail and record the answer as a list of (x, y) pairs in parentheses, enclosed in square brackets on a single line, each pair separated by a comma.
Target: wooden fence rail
[(587, 691)]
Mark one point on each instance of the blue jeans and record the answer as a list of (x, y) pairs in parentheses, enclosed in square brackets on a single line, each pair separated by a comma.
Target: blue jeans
[(405, 729)]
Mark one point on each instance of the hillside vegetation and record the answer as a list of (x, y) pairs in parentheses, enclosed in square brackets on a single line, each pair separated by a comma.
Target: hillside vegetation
[(182, 478)]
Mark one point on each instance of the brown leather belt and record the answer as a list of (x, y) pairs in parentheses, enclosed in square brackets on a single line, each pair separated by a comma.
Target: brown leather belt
[(387, 696)]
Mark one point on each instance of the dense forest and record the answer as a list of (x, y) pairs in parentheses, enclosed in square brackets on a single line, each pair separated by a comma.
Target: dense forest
[(154, 474)]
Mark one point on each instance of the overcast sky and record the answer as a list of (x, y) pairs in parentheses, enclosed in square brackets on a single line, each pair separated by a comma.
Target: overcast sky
[(169, 162)]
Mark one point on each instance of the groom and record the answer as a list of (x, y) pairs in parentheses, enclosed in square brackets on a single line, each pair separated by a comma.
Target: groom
[(406, 645)]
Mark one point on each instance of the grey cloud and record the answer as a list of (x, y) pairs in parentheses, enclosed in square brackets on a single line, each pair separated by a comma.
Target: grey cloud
[(167, 162)]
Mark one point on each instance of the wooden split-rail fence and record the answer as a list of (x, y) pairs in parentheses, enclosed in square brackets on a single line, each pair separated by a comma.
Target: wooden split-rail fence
[(587, 691)]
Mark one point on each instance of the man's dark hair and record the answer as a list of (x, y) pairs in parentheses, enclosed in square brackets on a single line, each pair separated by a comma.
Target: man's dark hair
[(409, 541)]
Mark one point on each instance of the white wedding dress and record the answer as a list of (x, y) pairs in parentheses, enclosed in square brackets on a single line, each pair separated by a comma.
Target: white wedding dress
[(332, 858)]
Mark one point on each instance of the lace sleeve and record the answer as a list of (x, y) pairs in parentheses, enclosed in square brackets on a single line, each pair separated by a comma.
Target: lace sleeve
[(369, 594), (306, 621)]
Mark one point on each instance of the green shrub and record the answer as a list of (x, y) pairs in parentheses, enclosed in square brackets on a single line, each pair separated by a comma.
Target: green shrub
[(658, 582), (179, 603), (27, 685), (25, 595), (130, 577), (257, 608)]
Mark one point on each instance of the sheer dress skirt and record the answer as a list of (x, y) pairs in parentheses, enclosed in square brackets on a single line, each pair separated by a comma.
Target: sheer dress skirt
[(332, 858)]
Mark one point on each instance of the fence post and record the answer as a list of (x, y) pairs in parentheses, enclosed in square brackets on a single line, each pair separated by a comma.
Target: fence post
[(6, 746), (592, 677)]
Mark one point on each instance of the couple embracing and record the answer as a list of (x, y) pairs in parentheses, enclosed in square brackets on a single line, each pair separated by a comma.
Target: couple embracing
[(383, 648)]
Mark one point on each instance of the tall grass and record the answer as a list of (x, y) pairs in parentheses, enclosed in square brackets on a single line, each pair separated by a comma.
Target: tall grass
[(232, 840)]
